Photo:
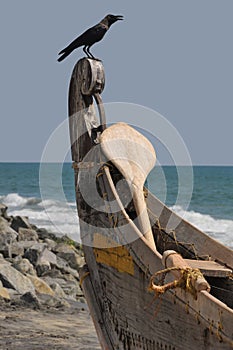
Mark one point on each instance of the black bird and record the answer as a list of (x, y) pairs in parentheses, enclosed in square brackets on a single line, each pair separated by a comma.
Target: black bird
[(90, 37)]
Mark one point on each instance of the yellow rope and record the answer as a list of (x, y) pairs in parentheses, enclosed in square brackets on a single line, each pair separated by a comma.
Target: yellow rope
[(185, 281), (83, 278)]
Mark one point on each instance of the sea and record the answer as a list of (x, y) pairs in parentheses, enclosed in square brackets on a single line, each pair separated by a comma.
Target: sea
[(203, 195)]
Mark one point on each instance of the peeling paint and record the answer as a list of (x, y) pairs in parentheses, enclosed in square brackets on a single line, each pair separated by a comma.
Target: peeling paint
[(113, 255)]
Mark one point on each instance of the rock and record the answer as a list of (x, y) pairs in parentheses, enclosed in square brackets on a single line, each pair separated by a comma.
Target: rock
[(14, 295), (15, 249), (53, 273), (64, 267), (5, 228), (68, 253), (69, 242), (42, 269), (43, 234), (27, 234), (4, 294), (12, 278), (31, 300), (58, 291), (47, 256), (24, 266), (50, 243), (69, 285), (41, 286), (52, 301), (36, 267), (3, 212), (82, 300), (3, 209), (26, 244), (72, 289), (20, 221), (33, 253), (41, 257), (45, 259), (10, 250), (7, 236), (3, 261)]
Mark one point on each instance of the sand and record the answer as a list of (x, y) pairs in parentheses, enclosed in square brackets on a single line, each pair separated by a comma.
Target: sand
[(64, 329)]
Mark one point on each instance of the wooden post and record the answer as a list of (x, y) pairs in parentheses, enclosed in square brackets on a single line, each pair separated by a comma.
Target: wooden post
[(87, 79)]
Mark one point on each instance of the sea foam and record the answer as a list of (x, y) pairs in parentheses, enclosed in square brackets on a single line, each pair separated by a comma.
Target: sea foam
[(61, 217), (57, 217), (15, 200), (219, 229)]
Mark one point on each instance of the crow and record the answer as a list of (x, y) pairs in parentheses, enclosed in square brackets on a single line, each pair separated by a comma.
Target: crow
[(90, 37)]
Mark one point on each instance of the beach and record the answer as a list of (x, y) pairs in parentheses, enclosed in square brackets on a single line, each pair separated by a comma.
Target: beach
[(45, 232), (42, 305), (65, 329)]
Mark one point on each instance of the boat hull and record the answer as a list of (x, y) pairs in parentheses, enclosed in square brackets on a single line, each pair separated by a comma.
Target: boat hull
[(120, 263)]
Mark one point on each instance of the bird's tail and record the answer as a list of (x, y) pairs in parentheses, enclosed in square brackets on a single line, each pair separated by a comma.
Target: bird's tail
[(65, 53)]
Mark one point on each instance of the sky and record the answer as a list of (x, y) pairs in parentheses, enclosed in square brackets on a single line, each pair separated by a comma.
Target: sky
[(172, 56)]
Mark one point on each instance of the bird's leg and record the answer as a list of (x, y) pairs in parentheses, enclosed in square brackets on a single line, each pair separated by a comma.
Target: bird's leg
[(86, 52), (90, 54)]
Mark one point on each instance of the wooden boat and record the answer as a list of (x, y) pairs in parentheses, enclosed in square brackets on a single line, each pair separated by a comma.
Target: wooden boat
[(169, 288)]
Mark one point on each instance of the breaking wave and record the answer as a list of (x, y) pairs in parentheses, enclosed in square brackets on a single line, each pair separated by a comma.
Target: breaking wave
[(61, 218), (55, 216), (220, 229)]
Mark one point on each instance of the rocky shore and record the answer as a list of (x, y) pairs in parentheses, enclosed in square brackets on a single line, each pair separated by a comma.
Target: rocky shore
[(41, 303)]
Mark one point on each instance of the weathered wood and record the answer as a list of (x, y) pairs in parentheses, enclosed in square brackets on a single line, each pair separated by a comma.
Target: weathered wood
[(173, 260), (210, 268), (95, 309), (183, 236), (93, 78), (87, 79), (134, 156), (121, 262)]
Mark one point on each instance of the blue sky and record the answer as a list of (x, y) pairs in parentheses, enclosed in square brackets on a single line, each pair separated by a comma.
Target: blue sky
[(173, 56)]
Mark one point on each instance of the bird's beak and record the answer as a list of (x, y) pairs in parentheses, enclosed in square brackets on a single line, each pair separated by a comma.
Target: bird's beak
[(119, 18)]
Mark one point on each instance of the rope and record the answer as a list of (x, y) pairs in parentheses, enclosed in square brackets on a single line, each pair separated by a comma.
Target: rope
[(185, 281), (83, 278), (86, 165)]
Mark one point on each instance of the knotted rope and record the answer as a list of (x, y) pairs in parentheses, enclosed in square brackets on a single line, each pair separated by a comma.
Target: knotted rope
[(186, 281)]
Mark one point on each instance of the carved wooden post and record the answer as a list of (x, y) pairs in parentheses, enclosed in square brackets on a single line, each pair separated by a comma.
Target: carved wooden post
[(87, 80)]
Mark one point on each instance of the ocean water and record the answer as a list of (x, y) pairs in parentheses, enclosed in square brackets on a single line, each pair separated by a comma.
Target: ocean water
[(203, 195)]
